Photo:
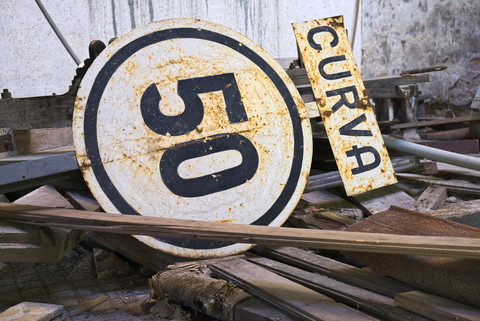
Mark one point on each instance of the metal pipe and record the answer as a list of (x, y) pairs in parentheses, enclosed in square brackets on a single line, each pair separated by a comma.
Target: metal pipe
[(59, 35), (432, 153)]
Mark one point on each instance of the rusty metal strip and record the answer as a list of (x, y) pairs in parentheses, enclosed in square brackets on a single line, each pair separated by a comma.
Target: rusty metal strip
[(349, 119)]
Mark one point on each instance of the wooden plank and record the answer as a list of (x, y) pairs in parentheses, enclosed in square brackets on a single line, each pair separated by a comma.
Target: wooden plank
[(18, 233), (288, 296), (436, 122), (355, 297), (381, 199), (299, 78), (253, 234), (432, 198), (435, 307), (258, 310), (36, 140), (391, 92), (38, 112), (452, 185), (456, 172), (457, 275), (342, 272), (467, 212)]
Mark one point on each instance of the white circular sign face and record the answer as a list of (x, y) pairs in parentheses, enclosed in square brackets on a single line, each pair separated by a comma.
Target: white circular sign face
[(189, 119)]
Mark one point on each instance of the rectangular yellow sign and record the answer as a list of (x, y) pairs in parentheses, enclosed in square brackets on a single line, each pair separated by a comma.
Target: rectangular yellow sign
[(349, 120)]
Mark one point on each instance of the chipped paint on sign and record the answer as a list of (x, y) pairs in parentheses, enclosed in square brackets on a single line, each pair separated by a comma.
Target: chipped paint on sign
[(188, 119), (348, 117)]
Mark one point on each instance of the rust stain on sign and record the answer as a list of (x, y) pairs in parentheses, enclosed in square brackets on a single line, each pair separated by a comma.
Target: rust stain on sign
[(349, 119)]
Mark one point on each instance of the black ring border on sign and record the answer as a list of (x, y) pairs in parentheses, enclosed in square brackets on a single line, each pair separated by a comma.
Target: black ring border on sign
[(104, 76)]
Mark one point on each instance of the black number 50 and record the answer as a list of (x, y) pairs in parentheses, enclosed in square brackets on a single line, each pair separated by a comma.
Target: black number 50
[(188, 120)]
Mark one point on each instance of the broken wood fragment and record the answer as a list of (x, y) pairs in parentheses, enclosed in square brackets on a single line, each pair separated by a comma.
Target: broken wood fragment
[(32, 311), (432, 198)]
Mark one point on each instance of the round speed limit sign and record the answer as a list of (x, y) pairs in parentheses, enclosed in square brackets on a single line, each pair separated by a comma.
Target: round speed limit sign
[(188, 119)]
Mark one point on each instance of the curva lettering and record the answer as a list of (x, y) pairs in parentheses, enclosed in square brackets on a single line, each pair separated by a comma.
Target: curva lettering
[(338, 75), (316, 30), (348, 129), (343, 101), (357, 152)]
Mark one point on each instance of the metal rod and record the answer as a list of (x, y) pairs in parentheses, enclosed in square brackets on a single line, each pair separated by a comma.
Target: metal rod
[(432, 153), (59, 35)]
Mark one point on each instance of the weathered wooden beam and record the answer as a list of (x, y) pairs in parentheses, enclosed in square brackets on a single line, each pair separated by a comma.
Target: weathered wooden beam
[(436, 122), (38, 112), (342, 272), (355, 297), (288, 296), (435, 307), (36, 140), (238, 233), (299, 78)]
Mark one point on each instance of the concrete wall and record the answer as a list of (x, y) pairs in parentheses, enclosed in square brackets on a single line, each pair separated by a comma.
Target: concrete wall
[(33, 61), (399, 35)]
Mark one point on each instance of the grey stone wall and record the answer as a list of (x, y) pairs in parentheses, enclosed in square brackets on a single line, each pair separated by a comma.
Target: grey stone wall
[(399, 35)]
